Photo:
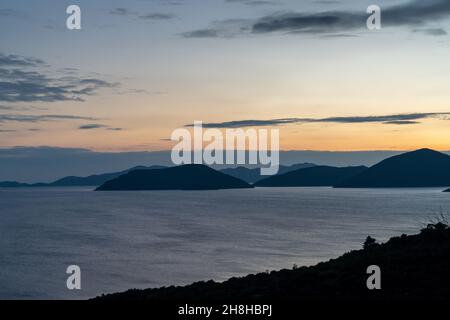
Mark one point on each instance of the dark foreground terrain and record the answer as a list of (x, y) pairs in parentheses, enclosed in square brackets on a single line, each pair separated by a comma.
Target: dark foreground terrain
[(415, 267)]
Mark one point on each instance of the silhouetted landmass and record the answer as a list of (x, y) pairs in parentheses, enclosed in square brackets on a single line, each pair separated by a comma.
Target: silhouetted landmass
[(73, 181), (448, 190), (96, 179), (420, 168), (185, 177), (254, 174), (311, 177), (13, 184), (246, 174), (412, 267)]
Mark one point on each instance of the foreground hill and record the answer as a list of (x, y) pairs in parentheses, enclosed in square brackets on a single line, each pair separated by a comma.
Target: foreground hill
[(412, 267), (420, 168), (253, 175), (185, 177), (311, 177)]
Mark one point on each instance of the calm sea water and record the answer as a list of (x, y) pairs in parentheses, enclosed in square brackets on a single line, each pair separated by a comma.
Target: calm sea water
[(125, 240)]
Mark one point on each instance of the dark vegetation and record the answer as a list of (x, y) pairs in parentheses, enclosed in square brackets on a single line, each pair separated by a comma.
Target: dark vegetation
[(185, 177), (415, 267)]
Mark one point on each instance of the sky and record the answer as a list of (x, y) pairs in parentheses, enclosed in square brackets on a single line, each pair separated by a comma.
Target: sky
[(139, 69)]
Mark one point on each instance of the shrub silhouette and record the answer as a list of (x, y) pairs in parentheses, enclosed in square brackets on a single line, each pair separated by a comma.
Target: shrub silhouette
[(369, 243)]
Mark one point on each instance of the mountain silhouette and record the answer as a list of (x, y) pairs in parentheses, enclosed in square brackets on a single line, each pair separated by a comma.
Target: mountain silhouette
[(420, 168), (254, 174), (74, 181), (96, 179), (185, 177), (13, 184), (311, 177)]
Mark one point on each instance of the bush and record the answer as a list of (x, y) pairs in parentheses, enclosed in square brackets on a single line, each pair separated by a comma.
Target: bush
[(369, 243)]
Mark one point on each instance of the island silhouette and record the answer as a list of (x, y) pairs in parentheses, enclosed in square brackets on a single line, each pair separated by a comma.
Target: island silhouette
[(318, 176), (184, 177), (420, 168)]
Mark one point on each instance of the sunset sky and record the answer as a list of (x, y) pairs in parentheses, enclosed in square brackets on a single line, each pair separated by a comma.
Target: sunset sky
[(140, 69)]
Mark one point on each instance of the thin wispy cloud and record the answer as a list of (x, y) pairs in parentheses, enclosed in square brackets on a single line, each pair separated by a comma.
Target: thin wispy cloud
[(92, 126), (151, 16), (256, 2), (40, 118), (11, 13), (397, 119), (437, 32), (119, 11), (157, 16)]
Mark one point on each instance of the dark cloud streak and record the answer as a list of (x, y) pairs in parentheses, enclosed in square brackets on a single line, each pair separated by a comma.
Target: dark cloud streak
[(413, 14), (398, 119)]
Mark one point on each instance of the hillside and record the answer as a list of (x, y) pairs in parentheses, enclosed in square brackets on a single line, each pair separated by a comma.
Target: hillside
[(254, 174), (185, 177), (310, 177), (420, 168), (412, 267)]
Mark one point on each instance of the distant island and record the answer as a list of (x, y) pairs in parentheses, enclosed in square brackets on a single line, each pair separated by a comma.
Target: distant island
[(420, 168), (318, 176), (249, 175), (414, 267), (72, 181), (184, 177), (254, 174)]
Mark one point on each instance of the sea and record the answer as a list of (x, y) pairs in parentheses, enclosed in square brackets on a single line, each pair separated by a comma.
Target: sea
[(124, 240)]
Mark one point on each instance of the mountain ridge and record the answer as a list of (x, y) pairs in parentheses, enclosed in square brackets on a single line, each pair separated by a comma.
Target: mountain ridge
[(317, 176)]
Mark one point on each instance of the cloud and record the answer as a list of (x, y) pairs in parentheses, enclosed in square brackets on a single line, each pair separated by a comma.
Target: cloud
[(157, 16), (11, 13), (432, 32), (119, 11), (15, 60), (98, 126), (25, 79), (398, 119), (20, 108), (39, 118), (202, 33), (256, 2), (414, 14), (152, 16), (91, 126), (221, 29), (401, 122)]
